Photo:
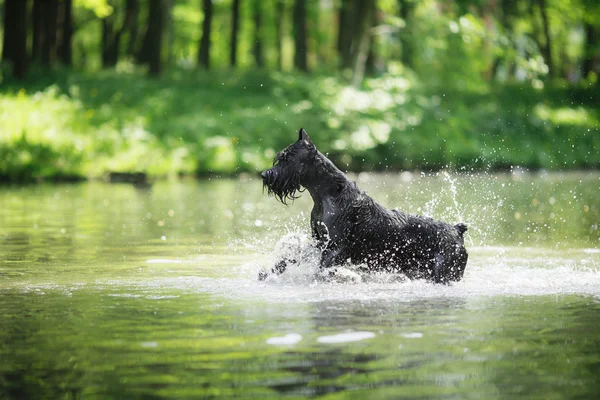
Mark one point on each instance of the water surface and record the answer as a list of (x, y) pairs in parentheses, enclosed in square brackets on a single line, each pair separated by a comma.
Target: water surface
[(110, 291)]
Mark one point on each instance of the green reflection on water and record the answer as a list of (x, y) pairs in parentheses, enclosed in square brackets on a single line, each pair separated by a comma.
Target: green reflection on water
[(108, 291), (121, 344)]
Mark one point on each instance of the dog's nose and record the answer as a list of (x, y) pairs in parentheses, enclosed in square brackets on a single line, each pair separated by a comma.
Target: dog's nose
[(264, 174)]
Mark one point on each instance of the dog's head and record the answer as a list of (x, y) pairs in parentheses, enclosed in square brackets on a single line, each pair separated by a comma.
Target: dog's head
[(291, 165)]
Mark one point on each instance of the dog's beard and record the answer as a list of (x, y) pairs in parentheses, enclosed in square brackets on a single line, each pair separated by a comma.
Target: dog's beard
[(284, 187)]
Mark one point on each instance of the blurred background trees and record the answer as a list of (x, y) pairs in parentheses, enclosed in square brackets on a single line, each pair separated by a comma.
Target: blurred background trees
[(167, 87), (452, 41)]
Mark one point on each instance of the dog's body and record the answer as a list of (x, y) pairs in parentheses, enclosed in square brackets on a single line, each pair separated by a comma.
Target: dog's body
[(351, 227)]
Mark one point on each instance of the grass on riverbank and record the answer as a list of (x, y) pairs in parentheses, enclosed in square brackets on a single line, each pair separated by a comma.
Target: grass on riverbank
[(85, 125)]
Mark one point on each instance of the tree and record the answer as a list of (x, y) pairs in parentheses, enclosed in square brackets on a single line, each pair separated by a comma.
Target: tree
[(346, 22), (300, 50), (52, 32), (279, 23), (152, 46), (547, 46), (111, 34), (49, 29), (506, 14), (110, 42), (37, 13), (235, 26), (65, 53), (257, 49), (204, 51), (15, 36), (362, 40), (590, 49), (373, 60), (354, 41), (133, 9), (169, 26), (407, 9), (591, 46), (356, 18)]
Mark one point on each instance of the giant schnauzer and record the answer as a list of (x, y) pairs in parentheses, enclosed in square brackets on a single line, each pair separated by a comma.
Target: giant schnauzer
[(351, 227)]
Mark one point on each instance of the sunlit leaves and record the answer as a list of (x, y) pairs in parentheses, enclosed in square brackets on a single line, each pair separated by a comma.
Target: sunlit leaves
[(224, 123), (101, 8)]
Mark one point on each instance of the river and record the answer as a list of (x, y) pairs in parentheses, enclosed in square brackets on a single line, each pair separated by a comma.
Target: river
[(113, 291)]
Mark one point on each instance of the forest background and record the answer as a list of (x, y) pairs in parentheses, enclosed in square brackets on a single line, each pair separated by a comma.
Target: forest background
[(90, 88)]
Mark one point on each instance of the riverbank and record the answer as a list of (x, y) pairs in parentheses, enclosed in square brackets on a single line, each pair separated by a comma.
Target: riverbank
[(71, 126)]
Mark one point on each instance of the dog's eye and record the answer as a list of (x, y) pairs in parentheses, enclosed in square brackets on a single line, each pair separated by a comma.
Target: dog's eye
[(280, 157)]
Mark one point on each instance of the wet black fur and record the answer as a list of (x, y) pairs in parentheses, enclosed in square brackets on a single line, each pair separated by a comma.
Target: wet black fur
[(349, 226)]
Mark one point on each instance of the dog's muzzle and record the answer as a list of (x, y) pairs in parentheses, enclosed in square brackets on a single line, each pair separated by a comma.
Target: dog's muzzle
[(267, 177)]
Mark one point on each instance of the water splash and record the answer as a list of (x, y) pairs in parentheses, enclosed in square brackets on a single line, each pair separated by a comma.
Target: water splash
[(306, 256), (492, 272), (454, 193)]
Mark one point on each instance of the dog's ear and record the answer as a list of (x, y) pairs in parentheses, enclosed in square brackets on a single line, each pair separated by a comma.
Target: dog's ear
[(302, 135)]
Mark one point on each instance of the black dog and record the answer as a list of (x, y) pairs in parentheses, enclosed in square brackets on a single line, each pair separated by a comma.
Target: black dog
[(349, 226)]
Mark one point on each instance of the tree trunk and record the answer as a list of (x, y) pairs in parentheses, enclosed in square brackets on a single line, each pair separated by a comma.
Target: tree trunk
[(20, 59), (15, 36), (342, 15), (407, 10), (363, 41), (504, 15), (132, 11), (204, 51), (143, 55), (371, 63), (347, 19), (235, 25), (150, 53), (591, 48), (50, 28), (65, 52), (316, 38), (257, 49), (110, 44), (155, 32), (11, 10), (547, 47), (169, 27), (280, 15), (111, 36), (38, 30), (300, 51)]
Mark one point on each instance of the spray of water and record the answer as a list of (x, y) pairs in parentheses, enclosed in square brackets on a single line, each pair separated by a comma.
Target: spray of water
[(492, 270), (305, 253), (453, 192)]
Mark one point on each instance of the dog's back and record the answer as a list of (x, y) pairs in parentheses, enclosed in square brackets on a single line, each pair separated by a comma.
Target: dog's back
[(392, 241)]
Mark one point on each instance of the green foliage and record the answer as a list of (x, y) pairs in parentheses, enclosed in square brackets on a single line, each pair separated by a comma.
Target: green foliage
[(36, 139), (101, 8), (200, 122), (472, 91), (52, 134)]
